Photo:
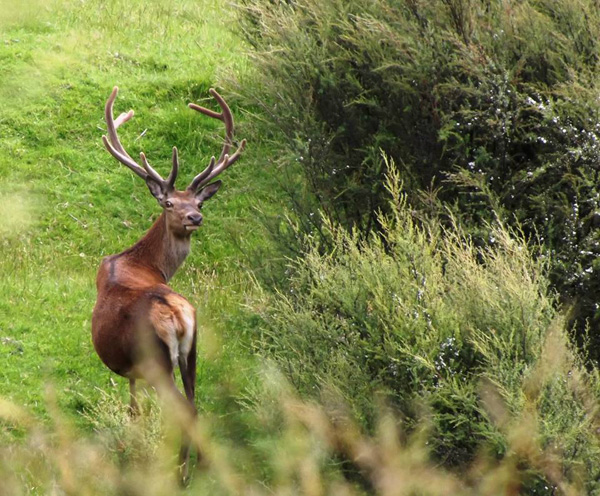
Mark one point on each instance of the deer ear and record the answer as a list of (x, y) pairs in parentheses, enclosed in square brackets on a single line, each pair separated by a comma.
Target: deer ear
[(155, 188), (208, 191)]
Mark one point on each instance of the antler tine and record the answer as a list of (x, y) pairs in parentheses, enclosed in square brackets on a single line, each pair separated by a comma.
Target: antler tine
[(200, 178), (236, 155), (224, 116), (224, 160), (174, 170), (123, 159), (150, 170), (114, 146), (227, 161)]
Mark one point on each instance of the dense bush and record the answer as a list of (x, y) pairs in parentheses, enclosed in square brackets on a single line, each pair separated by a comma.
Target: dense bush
[(435, 322), (481, 102)]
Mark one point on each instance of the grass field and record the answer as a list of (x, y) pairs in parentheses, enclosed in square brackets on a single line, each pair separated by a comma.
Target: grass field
[(66, 203)]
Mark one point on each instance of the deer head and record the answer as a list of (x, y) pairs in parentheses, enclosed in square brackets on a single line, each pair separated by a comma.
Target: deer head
[(181, 208)]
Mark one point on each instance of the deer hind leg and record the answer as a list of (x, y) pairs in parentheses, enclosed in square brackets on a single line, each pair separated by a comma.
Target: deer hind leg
[(181, 411), (180, 338), (175, 325), (187, 368), (187, 356)]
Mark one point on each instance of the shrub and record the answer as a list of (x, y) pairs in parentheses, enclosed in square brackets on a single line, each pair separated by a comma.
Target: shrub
[(479, 101), (434, 322)]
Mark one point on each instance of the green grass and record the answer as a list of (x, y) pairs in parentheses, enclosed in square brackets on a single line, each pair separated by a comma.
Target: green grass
[(65, 203)]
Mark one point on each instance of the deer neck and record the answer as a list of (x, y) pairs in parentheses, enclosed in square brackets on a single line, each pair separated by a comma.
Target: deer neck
[(160, 249)]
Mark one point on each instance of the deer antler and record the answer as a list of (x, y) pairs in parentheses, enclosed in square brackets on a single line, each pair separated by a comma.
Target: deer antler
[(216, 167), (113, 145)]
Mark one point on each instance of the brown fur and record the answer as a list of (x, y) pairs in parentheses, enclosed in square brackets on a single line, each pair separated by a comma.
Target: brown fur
[(134, 302)]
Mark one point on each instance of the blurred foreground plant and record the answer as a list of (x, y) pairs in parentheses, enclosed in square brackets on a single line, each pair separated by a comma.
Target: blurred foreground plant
[(300, 447), (304, 448)]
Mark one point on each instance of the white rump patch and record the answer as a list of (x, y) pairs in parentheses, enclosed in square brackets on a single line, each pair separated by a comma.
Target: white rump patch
[(188, 318), (174, 325)]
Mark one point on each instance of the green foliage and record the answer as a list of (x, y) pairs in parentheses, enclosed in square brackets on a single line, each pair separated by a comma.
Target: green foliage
[(424, 316), (483, 103)]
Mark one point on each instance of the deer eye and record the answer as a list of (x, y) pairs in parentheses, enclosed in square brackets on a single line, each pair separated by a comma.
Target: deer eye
[(168, 204), (199, 206)]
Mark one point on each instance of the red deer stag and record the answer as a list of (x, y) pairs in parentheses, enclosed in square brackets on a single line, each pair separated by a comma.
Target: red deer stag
[(141, 328)]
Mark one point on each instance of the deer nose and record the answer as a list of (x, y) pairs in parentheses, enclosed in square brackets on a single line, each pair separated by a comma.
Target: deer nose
[(195, 219)]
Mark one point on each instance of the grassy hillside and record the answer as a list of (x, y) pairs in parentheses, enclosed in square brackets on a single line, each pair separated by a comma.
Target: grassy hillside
[(66, 202), (412, 361)]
